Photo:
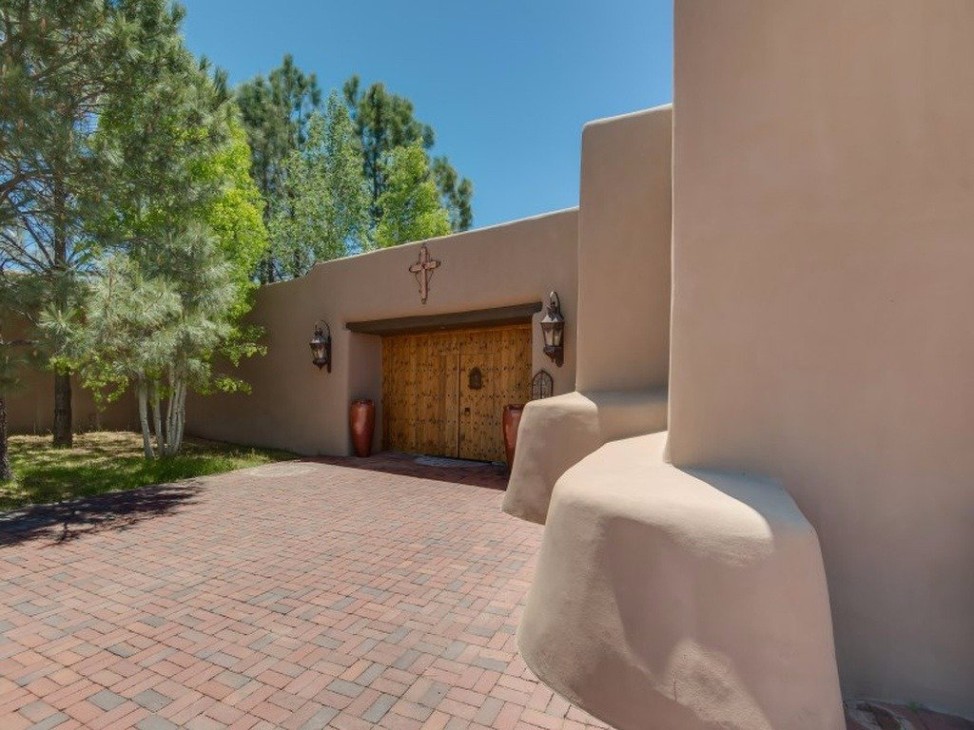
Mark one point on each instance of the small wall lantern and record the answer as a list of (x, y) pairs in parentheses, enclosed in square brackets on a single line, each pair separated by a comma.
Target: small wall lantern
[(321, 345), (553, 330)]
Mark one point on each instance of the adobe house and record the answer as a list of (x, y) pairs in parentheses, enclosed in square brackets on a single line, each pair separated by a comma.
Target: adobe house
[(755, 471), (440, 371), (803, 529), (440, 367)]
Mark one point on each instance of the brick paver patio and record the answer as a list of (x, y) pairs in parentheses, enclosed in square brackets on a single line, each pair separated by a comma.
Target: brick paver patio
[(298, 595)]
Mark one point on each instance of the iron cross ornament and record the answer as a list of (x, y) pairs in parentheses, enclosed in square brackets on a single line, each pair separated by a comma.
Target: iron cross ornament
[(423, 271)]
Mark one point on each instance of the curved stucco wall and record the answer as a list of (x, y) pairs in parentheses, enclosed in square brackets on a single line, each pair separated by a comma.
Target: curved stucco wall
[(295, 406), (556, 433), (682, 600), (823, 259)]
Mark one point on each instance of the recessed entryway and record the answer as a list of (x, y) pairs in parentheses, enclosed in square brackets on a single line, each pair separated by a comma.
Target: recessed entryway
[(443, 393)]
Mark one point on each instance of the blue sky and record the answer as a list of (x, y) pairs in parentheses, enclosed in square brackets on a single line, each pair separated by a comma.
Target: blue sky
[(506, 84)]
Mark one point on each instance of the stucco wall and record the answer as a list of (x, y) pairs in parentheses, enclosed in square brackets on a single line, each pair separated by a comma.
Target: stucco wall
[(30, 404), (294, 406), (823, 259), (624, 243), (624, 252), (30, 408)]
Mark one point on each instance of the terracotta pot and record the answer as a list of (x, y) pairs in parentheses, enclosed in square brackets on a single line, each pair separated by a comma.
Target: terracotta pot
[(512, 419), (361, 422)]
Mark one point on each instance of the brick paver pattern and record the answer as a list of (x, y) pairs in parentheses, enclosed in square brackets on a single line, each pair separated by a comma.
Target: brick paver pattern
[(299, 595)]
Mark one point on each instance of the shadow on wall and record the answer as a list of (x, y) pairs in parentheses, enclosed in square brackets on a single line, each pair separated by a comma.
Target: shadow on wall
[(65, 521)]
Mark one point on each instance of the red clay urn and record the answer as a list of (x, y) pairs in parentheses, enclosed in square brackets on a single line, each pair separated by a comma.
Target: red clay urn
[(361, 422), (512, 419)]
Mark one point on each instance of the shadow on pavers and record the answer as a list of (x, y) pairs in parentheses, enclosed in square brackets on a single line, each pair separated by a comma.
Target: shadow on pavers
[(69, 520)]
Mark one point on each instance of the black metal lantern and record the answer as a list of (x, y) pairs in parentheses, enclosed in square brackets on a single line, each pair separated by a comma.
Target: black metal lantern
[(321, 345), (553, 330)]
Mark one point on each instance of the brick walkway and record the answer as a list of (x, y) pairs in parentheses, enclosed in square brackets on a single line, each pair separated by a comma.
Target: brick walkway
[(298, 595)]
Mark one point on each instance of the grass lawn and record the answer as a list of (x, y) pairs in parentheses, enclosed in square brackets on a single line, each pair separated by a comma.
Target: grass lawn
[(111, 460)]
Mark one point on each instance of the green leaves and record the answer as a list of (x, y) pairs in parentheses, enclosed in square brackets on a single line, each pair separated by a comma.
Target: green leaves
[(384, 122), (323, 211), (234, 213), (276, 112), (128, 330), (61, 64), (134, 221), (411, 209), (323, 172)]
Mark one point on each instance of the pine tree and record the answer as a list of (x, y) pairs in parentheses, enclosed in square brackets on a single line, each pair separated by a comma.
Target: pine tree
[(324, 211), (156, 324), (456, 194), (276, 112), (179, 229), (384, 122), (60, 63)]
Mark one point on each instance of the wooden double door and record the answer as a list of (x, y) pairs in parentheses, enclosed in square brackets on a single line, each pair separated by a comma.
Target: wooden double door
[(443, 393)]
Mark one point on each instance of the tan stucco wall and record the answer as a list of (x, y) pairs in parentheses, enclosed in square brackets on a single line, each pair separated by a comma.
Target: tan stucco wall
[(30, 407), (823, 298), (556, 433), (624, 252), (683, 600), (296, 407), (30, 404), (623, 308)]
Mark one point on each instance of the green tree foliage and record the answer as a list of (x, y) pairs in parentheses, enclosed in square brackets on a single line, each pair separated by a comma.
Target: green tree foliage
[(128, 337), (12, 362), (276, 112), (410, 202), (156, 325), (235, 213), (324, 210), (179, 227), (60, 62), (162, 153), (456, 194), (384, 122), (304, 160)]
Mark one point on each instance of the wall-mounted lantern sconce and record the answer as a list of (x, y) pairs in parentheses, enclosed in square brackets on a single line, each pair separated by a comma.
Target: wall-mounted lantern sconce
[(553, 330), (321, 345)]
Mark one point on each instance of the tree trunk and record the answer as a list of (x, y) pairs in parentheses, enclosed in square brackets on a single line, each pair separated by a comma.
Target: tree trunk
[(171, 415), (62, 410), (5, 472), (181, 427), (157, 418), (175, 416), (143, 391), (62, 381)]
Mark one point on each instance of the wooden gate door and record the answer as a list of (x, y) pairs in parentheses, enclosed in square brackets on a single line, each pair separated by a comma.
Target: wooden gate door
[(499, 361), (444, 392), (419, 394)]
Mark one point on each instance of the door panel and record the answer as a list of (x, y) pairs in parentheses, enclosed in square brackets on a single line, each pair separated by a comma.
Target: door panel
[(479, 424), (429, 405), (419, 395)]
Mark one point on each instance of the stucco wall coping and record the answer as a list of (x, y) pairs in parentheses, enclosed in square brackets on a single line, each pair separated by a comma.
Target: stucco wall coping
[(363, 256), (628, 115)]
